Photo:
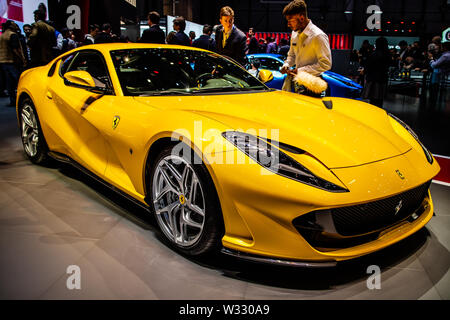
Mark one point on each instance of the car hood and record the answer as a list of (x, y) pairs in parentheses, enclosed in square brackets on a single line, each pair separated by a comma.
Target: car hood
[(352, 133)]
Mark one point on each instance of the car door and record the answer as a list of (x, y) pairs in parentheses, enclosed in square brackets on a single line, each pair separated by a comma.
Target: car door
[(84, 116)]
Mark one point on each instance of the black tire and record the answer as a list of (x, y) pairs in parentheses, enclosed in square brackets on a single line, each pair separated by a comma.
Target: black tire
[(40, 156), (210, 240)]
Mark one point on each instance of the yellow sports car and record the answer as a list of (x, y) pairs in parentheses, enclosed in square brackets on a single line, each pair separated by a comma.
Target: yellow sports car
[(224, 162)]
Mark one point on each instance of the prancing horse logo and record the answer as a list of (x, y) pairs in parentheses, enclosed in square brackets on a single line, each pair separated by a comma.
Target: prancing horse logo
[(116, 122), (400, 174), (398, 207)]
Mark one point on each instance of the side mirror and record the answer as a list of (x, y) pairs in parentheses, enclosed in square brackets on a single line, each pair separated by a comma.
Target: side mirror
[(83, 80), (265, 76), (79, 78)]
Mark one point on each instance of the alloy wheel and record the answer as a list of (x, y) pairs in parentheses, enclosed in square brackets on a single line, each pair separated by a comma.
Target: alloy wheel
[(179, 201), (30, 130)]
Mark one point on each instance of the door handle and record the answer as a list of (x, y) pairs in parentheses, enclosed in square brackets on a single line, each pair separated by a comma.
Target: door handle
[(49, 95)]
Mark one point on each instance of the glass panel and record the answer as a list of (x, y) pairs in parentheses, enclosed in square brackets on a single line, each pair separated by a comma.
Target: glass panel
[(173, 71)]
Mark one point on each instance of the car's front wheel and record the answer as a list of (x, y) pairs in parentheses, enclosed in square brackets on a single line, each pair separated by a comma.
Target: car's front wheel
[(33, 139), (185, 203)]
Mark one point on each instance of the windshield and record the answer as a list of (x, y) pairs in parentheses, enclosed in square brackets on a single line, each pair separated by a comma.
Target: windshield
[(145, 72), (266, 63)]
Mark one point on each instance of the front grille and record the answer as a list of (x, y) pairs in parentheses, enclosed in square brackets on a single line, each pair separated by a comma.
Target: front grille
[(373, 216), (347, 227)]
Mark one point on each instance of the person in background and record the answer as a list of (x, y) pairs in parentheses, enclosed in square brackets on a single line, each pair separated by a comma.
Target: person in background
[(41, 41), (254, 69), (181, 38), (402, 53), (24, 48), (214, 32), (43, 8), (192, 36), (205, 41), (89, 38), (68, 43), (365, 52), (56, 50), (105, 35), (272, 46), (377, 71), (310, 48), (435, 47), (440, 65), (262, 46), (27, 30), (154, 34), (284, 47), (253, 42), (171, 37), (230, 41), (11, 58)]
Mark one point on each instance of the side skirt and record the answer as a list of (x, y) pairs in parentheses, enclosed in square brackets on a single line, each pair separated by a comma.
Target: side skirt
[(65, 159)]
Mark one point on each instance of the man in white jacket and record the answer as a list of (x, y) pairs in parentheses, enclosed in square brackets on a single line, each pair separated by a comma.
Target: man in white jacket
[(310, 48)]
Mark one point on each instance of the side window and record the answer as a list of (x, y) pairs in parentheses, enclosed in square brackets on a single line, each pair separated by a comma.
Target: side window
[(66, 61), (270, 64), (91, 62)]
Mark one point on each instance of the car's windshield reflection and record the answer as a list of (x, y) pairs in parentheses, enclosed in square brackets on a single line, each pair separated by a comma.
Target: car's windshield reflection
[(148, 72)]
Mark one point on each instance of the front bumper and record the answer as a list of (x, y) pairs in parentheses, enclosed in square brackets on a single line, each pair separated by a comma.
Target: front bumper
[(259, 212)]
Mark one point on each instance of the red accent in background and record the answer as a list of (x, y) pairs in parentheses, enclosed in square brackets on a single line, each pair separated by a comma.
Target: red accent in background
[(85, 16), (444, 175), (15, 10), (337, 41)]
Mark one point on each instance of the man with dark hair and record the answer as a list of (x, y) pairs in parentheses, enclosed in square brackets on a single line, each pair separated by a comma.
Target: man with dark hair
[(27, 30), (181, 38), (230, 41), (42, 40), (310, 48), (253, 42), (192, 36), (89, 38), (205, 41), (154, 34), (105, 35), (11, 58)]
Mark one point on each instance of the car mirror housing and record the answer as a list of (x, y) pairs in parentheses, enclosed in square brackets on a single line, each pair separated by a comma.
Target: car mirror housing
[(265, 76), (83, 80), (80, 78)]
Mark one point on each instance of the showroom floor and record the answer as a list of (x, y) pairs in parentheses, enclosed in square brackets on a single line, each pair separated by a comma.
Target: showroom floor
[(52, 218)]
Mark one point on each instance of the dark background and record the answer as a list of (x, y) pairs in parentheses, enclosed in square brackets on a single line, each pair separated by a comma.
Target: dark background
[(422, 18)]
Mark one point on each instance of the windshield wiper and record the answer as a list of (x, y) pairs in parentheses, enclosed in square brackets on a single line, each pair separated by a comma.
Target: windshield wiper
[(167, 93), (222, 89)]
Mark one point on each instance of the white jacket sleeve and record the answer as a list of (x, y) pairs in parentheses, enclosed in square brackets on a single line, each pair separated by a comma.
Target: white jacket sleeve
[(290, 61)]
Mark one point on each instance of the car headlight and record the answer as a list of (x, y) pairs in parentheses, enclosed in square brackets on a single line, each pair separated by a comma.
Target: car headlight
[(273, 159), (425, 150)]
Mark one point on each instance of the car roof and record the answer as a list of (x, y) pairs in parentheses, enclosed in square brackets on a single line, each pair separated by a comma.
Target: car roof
[(108, 47)]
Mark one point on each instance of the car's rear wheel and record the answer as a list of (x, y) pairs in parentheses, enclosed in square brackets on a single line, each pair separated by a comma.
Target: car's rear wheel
[(33, 139), (185, 203)]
